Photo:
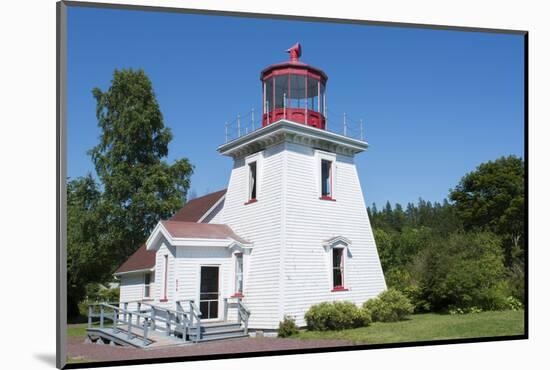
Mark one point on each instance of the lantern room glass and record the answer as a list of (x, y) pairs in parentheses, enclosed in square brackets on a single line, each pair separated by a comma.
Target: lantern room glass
[(299, 90)]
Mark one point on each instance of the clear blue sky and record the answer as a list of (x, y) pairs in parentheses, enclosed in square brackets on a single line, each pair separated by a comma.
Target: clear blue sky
[(435, 103)]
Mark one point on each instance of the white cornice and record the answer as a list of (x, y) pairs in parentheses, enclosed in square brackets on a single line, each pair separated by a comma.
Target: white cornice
[(288, 131)]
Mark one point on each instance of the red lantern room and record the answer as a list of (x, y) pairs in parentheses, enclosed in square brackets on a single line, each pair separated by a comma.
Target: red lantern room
[(294, 91)]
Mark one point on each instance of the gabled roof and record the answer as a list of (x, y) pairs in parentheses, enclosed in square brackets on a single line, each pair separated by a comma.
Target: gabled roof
[(196, 209), (192, 211), (191, 230), (140, 260)]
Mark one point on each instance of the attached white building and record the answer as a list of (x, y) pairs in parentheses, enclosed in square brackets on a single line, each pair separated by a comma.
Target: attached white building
[(290, 231)]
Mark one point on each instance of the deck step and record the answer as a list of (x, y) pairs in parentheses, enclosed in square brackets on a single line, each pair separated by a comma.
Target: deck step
[(211, 338)]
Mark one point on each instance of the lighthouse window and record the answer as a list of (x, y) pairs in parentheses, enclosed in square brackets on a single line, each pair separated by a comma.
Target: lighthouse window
[(312, 94), (281, 91), (268, 95), (253, 183), (337, 268), (297, 91), (326, 178)]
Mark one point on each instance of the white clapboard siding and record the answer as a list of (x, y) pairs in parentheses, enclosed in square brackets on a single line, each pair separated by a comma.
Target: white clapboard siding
[(259, 222), (158, 292), (132, 288), (310, 220)]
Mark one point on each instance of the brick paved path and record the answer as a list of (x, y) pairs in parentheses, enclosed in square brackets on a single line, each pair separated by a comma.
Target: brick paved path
[(94, 352)]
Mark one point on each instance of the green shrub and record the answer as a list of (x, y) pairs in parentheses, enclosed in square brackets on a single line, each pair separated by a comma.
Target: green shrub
[(513, 304), (287, 327), (464, 270), (336, 316), (390, 305)]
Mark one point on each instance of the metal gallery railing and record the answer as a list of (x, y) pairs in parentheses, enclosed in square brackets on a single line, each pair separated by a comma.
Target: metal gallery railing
[(337, 122)]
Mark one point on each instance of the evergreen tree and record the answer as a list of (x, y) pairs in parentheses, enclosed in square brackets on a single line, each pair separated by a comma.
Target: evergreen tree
[(139, 186)]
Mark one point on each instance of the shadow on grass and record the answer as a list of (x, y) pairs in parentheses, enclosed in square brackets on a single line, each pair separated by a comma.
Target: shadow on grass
[(80, 319)]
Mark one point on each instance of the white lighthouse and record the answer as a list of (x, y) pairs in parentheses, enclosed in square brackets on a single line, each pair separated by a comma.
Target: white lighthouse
[(295, 193), (291, 230)]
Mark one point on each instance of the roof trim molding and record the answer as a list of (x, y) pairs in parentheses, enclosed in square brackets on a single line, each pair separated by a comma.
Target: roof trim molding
[(134, 271), (161, 232), (334, 242), (207, 213)]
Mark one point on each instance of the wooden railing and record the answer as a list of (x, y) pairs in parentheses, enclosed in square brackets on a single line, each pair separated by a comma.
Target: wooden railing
[(194, 316), (145, 318), (132, 319), (243, 313)]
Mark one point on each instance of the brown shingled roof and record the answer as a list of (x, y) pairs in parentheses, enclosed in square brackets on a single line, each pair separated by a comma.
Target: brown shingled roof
[(196, 208), (192, 211), (140, 260), (180, 229)]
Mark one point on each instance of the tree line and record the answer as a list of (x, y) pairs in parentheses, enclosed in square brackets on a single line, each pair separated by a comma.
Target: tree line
[(465, 252)]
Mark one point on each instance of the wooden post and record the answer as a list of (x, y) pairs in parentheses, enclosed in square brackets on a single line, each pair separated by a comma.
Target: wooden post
[(90, 313), (125, 310), (101, 312), (145, 332), (225, 308), (139, 311), (239, 318), (153, 321), (129, 326)]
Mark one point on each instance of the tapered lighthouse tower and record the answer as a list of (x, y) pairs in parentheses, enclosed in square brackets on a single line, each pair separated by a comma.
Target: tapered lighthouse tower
[(295, 194)]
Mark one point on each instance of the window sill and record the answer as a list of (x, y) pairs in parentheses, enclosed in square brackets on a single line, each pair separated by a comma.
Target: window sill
[(254, 200), (339, 289), (237, 295), (163, 300), (147, 299), (324, 197)]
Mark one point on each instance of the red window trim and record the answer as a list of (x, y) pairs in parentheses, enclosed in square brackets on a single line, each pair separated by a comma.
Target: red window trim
[(325, 197), (339, 289), (253, 200), (163, 300), (237, 295), (165, 278)]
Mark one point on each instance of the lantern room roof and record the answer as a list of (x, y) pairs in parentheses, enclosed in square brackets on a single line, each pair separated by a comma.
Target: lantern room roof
[(294, 63)]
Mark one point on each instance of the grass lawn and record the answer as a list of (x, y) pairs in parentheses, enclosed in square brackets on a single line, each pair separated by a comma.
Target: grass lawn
[(430, 326), (76, 330)]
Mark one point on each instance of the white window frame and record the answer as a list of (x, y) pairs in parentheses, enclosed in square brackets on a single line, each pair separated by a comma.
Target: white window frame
[(343, 244), (251, 159), (343, 268), (236, 292), (145, 285), (327, 156)]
